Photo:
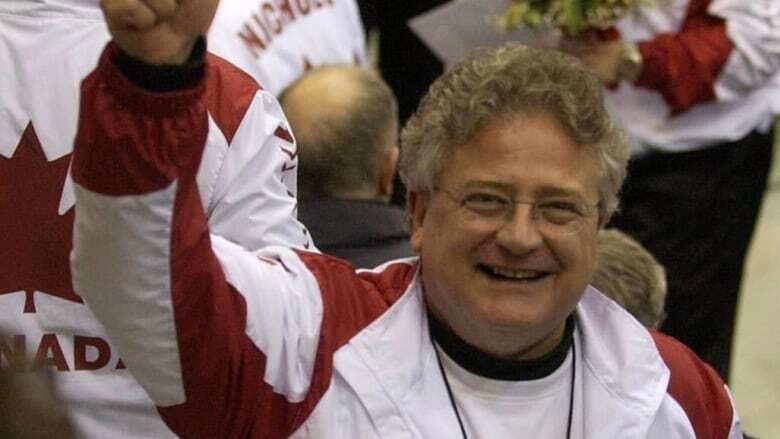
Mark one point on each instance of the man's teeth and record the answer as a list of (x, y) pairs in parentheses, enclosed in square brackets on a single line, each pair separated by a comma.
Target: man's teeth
[(515, 274)]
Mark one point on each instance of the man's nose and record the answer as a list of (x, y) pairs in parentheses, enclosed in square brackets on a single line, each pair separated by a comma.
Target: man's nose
[(520, 233)]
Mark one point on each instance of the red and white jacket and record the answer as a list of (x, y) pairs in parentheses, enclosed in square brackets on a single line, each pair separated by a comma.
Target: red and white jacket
[(246, 181), (282, 342), (711, 73)]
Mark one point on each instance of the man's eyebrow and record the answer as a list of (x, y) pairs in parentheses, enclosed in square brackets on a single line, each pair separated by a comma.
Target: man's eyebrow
[(545, 191), (487, 184), (554, 191)]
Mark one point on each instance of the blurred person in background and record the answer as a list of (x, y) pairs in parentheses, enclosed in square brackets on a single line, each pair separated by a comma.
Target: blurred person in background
[(31, 408), (405, 62), (278, 41), (46, 48), (696, 85), (345, 124), (628, 274)]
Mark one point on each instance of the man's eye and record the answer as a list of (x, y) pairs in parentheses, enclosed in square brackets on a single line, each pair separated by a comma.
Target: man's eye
[(560, 212), (484, 202)]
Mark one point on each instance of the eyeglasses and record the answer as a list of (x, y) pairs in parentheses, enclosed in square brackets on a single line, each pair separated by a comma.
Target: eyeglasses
[(552, 216)]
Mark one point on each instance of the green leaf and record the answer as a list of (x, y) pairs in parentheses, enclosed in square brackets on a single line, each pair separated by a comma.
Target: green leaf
[(588, 6), (573, 20)]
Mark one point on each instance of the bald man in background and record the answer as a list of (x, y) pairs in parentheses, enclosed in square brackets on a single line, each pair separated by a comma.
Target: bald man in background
[(348, 152)]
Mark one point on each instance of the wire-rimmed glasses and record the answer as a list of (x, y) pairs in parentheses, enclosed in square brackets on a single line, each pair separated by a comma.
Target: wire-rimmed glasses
[(553, 216)]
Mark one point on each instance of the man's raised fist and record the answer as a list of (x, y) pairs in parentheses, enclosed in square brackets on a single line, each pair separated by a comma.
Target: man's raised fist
[(158, 31)]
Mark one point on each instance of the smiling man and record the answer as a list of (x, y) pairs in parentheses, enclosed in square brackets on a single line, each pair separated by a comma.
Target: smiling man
[(512, 166), (506, 235)]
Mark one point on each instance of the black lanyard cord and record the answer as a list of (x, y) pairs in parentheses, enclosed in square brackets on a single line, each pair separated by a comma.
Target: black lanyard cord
[(455, 406), (571, 387), (449, 392)]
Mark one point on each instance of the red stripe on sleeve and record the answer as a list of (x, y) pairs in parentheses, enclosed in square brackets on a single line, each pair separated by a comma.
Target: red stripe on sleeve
[(229, 94), (222, 369), (697, 388), (127, 135), (283, 134), (684, 66)]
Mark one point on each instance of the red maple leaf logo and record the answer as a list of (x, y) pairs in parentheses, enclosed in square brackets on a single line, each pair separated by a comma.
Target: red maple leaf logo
[(34, 254)]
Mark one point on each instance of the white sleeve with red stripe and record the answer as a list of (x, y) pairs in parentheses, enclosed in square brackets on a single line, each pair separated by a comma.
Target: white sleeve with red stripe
[(181, 322), (711, 73), (248, 175), (754, 29), (700, 51)]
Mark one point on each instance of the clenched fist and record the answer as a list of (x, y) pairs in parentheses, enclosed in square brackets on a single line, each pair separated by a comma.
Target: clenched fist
[(158, 31)]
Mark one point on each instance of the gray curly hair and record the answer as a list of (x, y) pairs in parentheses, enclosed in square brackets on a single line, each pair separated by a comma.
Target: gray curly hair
[(496, 83)]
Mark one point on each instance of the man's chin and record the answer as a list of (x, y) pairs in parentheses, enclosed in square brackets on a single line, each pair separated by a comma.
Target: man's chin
[(518, 329)]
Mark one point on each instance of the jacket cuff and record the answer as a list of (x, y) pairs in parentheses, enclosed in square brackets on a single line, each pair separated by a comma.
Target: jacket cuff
[(161, 78), (136, 96)]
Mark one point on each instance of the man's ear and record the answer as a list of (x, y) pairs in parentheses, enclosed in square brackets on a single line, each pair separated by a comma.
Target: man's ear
[(417, 205), (387, 168)]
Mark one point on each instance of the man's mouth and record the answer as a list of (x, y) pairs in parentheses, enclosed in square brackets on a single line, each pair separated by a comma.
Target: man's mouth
[(511, 274)]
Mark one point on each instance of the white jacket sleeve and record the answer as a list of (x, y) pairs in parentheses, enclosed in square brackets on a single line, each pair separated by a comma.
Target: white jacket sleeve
[(223, 341), (754, 29), (247, 177)]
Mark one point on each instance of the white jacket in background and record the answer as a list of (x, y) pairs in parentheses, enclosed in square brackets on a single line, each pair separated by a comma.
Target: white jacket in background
[(745, 89)]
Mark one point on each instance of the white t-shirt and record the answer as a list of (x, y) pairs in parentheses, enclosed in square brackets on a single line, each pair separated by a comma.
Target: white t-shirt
[(491, 408)]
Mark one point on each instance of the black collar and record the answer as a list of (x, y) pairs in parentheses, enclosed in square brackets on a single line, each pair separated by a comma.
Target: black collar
[(489, 366)]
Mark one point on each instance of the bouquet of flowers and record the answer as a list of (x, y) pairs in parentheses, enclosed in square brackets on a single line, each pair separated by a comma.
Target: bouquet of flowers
[(572, 17)]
